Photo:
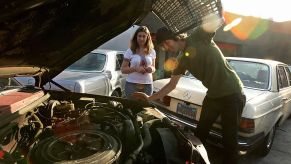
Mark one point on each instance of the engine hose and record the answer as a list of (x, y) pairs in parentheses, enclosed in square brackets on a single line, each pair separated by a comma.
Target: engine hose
[(147, 140), (179, 135), (40, 124), (112, 126), (51, 105), (117, 112), (133, 155), (154, 121), (146, 131)]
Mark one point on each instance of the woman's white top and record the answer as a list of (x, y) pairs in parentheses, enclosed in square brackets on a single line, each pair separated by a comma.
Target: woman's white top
[(137, 60)]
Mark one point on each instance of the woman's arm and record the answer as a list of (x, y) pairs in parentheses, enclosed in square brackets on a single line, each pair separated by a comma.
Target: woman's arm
[(125, 69), (152, 68)]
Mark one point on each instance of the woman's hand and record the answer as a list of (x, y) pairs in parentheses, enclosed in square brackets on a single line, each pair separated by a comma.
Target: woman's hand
[(149, 69), (140, 96), (141, 70)]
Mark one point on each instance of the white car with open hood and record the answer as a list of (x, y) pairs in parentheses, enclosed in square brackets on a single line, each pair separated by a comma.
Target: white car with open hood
[(267, 87)]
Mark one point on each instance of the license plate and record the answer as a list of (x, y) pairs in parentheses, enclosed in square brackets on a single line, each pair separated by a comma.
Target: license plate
[(187, 110)]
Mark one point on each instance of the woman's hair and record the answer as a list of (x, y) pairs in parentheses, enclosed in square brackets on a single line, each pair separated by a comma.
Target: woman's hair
[(149, 44)]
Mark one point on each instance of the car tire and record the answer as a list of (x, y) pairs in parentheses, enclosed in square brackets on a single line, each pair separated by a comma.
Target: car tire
[(115, 93), (266, 146)]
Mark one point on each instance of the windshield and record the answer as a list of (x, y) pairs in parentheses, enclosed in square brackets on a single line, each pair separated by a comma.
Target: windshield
[(90, 62), (253, 75)]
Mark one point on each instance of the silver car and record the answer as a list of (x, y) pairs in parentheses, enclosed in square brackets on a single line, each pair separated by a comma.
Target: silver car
[(96, 73), (267, 87)]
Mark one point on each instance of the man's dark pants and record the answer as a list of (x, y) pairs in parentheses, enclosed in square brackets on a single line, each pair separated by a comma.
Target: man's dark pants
[(230, 108)]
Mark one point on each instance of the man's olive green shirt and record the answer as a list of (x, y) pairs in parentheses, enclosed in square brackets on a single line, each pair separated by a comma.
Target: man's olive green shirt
[(204, 60)]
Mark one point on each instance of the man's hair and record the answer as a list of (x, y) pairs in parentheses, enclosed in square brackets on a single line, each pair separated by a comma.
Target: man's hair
[(164, 33)]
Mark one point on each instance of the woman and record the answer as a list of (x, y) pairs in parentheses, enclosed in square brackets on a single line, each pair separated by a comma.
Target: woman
[(139, 63)]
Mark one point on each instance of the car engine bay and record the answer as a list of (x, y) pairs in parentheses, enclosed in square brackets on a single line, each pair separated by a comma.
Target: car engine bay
[(64, 127)]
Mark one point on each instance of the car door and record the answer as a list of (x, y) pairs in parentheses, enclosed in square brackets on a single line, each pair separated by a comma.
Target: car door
[(98, 84), (284, 90), (288, 110), (121, 77)]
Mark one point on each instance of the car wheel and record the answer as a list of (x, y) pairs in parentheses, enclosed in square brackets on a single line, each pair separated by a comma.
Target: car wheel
[(115, 94), (266, 146)]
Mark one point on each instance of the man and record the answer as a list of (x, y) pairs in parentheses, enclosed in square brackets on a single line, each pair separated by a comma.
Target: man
[(203, 59)]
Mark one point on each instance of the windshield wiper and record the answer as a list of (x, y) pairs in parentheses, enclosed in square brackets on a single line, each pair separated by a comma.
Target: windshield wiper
[(60, 86)]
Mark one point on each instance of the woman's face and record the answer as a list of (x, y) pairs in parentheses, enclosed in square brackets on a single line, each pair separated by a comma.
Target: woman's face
[(142, 38)]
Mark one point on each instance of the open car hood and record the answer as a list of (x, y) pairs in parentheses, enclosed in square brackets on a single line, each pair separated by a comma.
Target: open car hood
[(46, 36)]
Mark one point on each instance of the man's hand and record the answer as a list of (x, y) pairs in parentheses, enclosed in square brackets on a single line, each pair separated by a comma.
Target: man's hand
[(140, 96)]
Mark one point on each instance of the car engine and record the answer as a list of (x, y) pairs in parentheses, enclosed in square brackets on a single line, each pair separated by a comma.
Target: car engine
[(62, 127)]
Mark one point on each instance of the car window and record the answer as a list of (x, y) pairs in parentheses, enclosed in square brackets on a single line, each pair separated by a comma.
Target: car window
[(8, 83), (27, 80), (288, 74), (252, 74), (283, 81), (119, 59), (90, 62)]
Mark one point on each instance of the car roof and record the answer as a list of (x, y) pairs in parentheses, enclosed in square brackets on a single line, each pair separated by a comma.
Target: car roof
[(264, 61)]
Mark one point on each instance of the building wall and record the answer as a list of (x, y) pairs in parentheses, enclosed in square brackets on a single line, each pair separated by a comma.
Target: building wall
[(274, 43)]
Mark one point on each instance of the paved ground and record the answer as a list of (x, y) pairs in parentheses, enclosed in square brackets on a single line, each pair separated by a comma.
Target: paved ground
[(280, 152)]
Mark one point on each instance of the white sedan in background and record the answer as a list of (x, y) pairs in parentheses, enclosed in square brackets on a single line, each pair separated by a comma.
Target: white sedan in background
[(267, 86), (99, 73)]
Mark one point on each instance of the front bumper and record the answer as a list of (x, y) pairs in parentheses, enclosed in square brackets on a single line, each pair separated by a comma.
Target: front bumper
[(215, 137)]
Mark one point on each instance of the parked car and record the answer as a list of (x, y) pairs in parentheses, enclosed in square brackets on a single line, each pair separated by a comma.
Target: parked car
[(96, 73), (267, 86), (41, 39)]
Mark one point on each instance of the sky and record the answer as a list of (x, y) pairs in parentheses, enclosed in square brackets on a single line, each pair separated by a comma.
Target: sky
[(278, 10)]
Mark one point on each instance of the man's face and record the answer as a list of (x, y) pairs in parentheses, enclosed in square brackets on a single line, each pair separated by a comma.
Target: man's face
[(170, 46)]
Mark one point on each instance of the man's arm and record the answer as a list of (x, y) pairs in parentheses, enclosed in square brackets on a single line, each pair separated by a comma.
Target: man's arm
[(163, 92), (167, 88)]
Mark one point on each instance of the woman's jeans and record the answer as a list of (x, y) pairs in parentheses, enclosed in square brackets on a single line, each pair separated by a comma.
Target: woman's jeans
[(130, 88)]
